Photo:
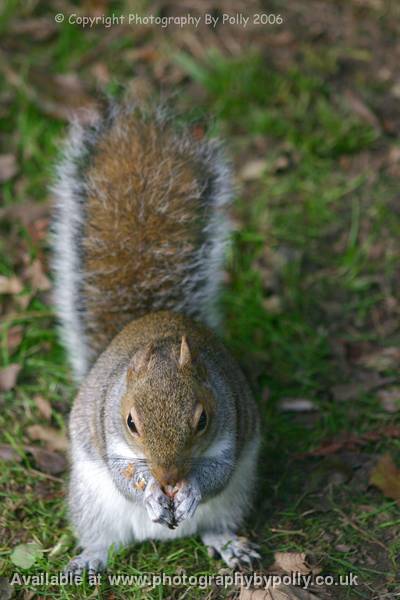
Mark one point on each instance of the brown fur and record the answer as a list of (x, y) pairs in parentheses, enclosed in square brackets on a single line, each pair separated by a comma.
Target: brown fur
[(143, 223), (170, 392), (163, 395)]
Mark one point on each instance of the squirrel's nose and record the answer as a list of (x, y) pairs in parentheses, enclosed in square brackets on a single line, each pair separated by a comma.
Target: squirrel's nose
[(166, 476)]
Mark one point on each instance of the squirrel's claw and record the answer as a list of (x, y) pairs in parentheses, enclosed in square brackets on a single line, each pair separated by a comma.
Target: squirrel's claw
[(92, 562), (186, 501), (158, 505)]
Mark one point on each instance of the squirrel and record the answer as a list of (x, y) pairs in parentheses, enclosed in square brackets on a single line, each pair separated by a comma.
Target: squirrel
[(164, 430)]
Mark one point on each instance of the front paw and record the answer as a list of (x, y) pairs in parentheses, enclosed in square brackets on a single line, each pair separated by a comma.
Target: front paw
[(186, 500), (159, 507)]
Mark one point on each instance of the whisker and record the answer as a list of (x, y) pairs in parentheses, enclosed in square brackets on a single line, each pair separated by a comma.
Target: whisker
[(180, 461)]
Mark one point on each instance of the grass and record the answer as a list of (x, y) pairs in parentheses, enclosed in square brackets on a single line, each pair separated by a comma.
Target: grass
[(312, 282)]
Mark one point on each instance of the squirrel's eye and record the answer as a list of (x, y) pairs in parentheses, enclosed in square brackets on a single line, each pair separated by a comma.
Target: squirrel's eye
[(202, 422), (131, 424)]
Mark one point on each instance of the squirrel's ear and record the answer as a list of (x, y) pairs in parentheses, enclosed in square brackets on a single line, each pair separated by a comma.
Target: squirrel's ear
[(185, 357), (140, 361)]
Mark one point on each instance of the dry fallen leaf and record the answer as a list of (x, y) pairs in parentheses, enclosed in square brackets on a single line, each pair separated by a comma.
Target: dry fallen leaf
[(367, 382), (14, 338), (253, 169), (8, 167), (281, 163), (279, 592), (48, 461), (360, 109), (63, 96), (8, 377), (390, 399), (8, 453), (23, 301), (38, 229), (297, 405), (101, 73), (273, 304), (54, 439), (95, 8), (10, 285), (293, 562), (38, 28), (382, 360), (43, 406), (386, 477), (37, 277), (350, 440), (27, 212), (346, 391)]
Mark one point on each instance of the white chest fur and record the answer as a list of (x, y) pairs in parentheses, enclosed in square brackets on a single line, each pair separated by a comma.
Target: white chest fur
[(121, 521)]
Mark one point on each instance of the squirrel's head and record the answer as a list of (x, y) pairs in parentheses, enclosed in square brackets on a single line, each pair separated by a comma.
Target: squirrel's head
[(168, 407)]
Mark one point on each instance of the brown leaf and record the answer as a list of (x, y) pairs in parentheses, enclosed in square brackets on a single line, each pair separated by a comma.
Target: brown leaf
[(279, 592), (253, 169), (23, 301), (346, 391), (382, 360), (14, 338), (386, 477), (361, 109), (8, 453), (10, 285), (8, 377), (38, 28), (64, 96), (390, 399), (38, 229), (54, 439), (37, 277), (292, 562), (273, 304), (281, 163), (297, 405), (101, 73), (8, 167), (368, 381), (43, 406), (95, 8), (394, 154), (48, 461), (27, 212), (350, 441)]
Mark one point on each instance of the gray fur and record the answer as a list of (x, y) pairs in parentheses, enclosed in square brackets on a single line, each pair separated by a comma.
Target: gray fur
[(108, 508), (69, 193)]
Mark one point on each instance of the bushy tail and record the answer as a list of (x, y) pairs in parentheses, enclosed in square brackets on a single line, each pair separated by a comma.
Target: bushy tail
[(139, 226)]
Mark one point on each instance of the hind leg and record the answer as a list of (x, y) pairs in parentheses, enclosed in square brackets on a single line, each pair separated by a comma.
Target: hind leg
[(235, 551)]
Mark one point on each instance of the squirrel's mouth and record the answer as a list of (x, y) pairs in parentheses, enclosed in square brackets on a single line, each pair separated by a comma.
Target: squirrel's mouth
[(170, 490), (168, 477)]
